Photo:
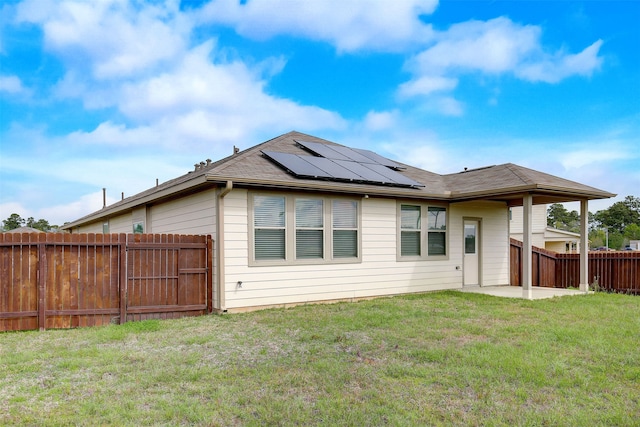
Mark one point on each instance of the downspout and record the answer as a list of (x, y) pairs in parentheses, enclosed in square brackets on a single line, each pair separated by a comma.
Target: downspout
[(220, 247)]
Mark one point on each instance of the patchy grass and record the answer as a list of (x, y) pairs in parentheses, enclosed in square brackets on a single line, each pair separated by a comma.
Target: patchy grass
[(443, 358)]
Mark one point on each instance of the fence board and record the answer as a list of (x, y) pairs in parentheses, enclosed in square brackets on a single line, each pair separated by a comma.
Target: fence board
[(614, 271), (51, 280)]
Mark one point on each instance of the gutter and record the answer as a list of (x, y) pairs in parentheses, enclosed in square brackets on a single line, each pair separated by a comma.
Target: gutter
[(221, 302)]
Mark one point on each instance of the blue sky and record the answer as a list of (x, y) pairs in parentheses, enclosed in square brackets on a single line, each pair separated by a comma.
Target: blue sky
[(118, 93)]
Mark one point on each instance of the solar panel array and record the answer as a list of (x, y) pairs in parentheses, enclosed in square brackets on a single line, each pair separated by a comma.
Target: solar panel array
[(339, 163)]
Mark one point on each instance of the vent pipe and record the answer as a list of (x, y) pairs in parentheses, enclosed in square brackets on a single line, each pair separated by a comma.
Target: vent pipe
[(104, 197)]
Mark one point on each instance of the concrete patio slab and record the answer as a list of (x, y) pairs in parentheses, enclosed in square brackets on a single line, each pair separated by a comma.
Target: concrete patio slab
[(516, 291)]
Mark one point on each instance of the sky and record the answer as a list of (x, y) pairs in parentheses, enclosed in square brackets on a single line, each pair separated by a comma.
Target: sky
[(116, 94)]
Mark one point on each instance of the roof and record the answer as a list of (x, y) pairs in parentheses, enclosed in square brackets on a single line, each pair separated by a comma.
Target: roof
[(251, 169), (24, 230)]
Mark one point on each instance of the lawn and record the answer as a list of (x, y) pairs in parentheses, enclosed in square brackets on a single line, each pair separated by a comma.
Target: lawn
[(444, 358)]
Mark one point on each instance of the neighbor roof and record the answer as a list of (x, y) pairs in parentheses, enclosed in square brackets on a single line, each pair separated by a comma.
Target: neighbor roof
[(251, 169)]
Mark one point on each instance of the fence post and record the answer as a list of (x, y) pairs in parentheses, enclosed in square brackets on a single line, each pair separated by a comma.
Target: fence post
[(209, 274), (42, 282), (124, 277)]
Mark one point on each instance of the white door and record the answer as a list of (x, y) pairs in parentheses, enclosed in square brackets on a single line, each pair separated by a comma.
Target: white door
[(471, 260)]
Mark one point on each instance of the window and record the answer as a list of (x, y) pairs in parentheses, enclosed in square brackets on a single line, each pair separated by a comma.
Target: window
[(290, 229), (138, 227), (309, 228), (105, 227), (417, 239), (269, 225), (345, 229), (410, 230), (437, 231)]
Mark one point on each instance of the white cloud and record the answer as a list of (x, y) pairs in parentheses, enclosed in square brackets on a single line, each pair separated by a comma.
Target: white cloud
[(197, 98), (116, 38), (349, 25), (492, 46), (12, 85), (375, 121), (553, 68), (581, 158), (495, 47), (426, 85)]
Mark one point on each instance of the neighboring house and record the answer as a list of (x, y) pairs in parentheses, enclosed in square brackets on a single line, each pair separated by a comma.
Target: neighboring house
[(299, 219), (543, 236)]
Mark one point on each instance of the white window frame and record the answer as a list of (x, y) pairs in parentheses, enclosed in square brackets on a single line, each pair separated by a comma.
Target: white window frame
[(290, 231), (424, 232)]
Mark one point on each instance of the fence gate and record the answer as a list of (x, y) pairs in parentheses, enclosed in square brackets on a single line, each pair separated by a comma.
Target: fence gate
[(166, 276)]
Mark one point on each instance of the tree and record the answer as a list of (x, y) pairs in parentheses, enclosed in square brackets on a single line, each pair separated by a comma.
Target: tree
[(619, 215), (632, 232), (41, 224), (559, 217), (14, 221)]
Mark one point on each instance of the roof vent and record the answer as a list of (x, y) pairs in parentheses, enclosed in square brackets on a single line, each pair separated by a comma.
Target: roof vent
[(236, 150)]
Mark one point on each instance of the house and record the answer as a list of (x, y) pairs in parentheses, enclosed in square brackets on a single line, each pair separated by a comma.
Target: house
[(300, 219), (542, 236)]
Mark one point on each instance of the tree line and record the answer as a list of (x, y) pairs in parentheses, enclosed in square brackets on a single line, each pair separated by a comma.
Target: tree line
[(615, 226), (16, 221)]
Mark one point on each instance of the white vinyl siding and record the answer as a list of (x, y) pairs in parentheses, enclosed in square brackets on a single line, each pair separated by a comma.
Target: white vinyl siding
[(192, 214), (121, 224)]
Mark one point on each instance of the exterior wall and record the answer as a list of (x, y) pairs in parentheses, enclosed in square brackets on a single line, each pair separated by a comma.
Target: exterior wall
[(193, 214), (379, 273), (560, 247), (94, 227), (121, 224)]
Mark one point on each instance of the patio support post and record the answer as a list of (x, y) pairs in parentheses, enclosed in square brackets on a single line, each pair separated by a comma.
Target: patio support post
[(584, 246), (527, 280)]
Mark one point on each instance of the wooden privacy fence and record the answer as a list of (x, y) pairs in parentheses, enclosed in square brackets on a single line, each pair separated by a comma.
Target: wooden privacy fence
[(615, 271), (56, 280)]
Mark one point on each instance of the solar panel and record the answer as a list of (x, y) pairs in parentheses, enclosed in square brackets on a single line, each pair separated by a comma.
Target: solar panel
[(332, 168), (338, 152), (365, 173), (323, 150), (394, 176), (297, 164), (377, 158), (339, 163)]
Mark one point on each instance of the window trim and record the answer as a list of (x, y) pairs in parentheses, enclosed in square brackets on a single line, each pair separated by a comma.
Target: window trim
[(424, 231), (290, 230)]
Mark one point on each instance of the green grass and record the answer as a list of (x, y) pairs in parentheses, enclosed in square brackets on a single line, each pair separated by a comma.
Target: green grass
[(444, 358)]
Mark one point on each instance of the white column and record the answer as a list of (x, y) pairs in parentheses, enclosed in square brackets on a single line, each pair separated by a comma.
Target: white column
[(527, 270), (584, 246)]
